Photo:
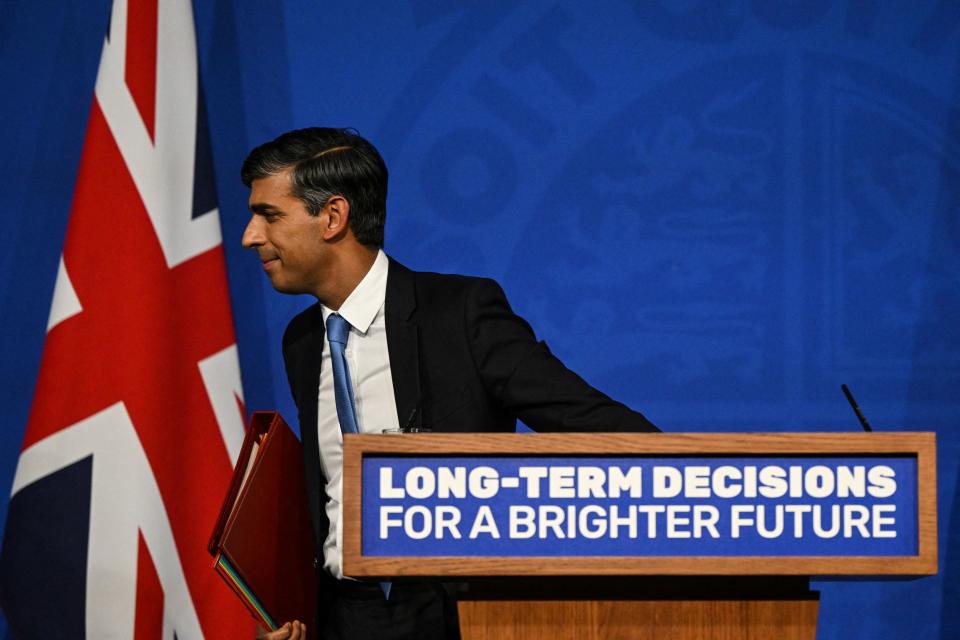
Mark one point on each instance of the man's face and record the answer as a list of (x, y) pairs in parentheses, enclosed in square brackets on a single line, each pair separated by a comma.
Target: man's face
[(286, 237)]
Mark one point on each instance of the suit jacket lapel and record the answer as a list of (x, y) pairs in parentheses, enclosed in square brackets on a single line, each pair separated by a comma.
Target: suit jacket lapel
[(303, 362), (403, 344)]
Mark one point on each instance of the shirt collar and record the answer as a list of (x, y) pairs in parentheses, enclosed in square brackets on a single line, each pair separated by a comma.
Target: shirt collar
[(367, 298)]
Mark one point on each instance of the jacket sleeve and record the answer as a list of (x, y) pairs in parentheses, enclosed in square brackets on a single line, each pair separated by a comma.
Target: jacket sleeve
[(527, 380)]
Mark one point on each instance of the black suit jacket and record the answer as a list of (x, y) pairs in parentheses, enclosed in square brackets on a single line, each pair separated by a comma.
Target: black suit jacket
[(461, 361)]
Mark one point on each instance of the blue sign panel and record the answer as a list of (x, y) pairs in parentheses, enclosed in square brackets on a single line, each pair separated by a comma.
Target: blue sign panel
[(617, 506)]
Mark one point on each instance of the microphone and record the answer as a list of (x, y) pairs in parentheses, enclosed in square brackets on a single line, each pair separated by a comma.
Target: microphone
[(856, 409)]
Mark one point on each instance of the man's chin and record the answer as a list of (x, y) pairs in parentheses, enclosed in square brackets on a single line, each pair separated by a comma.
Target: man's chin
[(283, 286)]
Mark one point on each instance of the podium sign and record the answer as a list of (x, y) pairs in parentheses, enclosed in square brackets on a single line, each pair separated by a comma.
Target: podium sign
[(639, 506), (631, 504)]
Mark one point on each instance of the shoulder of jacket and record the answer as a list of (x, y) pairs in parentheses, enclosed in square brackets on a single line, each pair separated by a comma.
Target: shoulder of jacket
[(452, 281)]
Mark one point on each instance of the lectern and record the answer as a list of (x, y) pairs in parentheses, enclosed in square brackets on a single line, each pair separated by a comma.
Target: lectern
[(561, 536)]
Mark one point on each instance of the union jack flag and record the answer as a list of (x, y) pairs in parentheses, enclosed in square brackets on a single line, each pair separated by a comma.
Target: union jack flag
[(137, 416)]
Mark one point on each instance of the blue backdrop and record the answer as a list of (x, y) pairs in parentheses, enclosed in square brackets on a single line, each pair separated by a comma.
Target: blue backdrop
[(745, 202)]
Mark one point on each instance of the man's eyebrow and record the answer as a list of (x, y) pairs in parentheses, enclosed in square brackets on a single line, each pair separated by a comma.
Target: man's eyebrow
[(263, 208)]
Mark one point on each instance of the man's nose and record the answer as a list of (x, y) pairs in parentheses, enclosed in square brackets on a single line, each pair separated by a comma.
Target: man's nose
[(252, 235)]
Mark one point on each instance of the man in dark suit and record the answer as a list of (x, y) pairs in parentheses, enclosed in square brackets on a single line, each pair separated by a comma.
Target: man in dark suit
[(389, 348)]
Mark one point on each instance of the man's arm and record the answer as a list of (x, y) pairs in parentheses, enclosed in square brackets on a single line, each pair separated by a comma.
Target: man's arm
[(527, 380)]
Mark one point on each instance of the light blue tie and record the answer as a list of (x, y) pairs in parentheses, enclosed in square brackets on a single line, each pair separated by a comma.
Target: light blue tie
[(338, 331)]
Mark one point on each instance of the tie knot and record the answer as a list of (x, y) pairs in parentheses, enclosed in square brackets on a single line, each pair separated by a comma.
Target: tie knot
[(338, 329)]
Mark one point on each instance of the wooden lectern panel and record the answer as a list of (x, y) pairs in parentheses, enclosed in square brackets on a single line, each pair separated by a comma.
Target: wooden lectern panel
[(639, 620), (662, 607)]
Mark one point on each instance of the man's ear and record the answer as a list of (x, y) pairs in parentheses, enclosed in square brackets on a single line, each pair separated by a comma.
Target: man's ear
[(336, 218)]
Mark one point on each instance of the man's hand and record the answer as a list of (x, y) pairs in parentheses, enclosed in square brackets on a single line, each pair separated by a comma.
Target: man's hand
[(295, 630)]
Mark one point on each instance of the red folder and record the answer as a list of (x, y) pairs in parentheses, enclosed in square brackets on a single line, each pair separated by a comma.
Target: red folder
[(263, 544)]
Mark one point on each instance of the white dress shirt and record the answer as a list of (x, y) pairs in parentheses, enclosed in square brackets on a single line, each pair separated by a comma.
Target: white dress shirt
[(369, 364)]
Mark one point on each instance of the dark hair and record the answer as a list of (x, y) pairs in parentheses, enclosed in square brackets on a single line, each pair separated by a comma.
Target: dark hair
[(325, 163)]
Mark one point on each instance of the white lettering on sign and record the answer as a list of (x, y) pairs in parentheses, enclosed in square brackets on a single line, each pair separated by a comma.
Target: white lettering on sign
[(773, 481), (824, 521), (595, 501)]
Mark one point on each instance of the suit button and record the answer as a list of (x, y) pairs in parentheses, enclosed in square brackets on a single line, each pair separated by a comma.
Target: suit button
[(315, 563)]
